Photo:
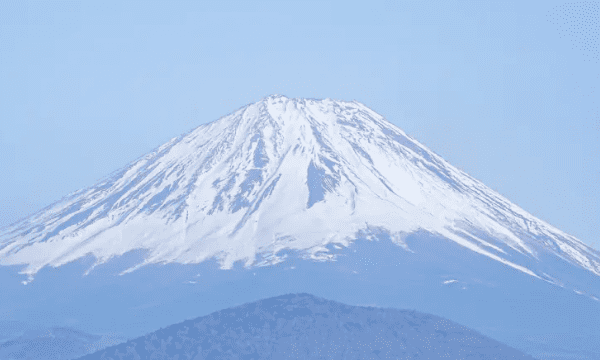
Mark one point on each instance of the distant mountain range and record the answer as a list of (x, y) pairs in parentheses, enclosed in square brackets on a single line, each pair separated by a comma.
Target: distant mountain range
[(302, 326), (54, 344)]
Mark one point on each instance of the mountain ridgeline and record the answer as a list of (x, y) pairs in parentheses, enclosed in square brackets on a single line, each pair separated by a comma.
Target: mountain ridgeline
[(54, 344), (302, 326)]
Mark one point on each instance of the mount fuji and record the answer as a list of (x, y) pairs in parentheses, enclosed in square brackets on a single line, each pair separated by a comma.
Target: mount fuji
[(284, 173), (308, 189)]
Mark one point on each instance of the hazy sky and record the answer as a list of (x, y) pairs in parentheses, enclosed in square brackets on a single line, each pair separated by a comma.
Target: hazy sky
[(505, 90)]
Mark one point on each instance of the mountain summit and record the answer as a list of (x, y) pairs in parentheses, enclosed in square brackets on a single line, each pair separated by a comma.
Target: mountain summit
[(285, 173)]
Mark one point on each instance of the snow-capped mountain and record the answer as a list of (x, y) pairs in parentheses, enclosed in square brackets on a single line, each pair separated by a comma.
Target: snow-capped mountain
[(285, 173)]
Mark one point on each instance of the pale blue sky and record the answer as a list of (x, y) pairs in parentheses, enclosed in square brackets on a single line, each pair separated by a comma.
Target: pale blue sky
[(505, 90)]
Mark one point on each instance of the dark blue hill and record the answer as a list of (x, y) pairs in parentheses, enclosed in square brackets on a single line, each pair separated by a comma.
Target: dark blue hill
[(302, 326)]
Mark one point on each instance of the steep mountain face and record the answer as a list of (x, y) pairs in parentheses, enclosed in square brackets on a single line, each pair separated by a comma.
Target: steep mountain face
[(302, 326), (296, 174)]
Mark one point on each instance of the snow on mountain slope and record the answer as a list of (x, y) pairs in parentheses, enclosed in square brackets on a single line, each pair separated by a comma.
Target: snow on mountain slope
[(284, 173)]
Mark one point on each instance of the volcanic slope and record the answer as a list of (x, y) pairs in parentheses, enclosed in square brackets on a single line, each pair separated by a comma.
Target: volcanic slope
[(298, 174)]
